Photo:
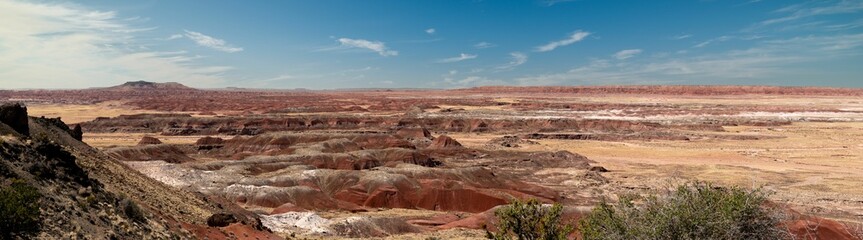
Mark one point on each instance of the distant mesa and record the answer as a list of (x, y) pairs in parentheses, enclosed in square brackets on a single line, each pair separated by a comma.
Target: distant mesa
[(144, 85)]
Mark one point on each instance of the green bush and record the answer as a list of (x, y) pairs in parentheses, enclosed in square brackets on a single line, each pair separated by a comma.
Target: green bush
[(530, 220), (131, 210), (19, 209), (691, 211)]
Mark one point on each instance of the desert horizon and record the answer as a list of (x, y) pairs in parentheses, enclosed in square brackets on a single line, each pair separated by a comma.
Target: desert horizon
[(429, 120)]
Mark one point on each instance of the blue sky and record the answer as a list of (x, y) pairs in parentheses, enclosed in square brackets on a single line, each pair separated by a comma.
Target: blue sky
[(430, 44)]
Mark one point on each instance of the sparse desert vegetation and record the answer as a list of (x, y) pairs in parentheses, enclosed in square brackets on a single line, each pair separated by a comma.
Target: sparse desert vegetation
[(694, 210), (19, 206)]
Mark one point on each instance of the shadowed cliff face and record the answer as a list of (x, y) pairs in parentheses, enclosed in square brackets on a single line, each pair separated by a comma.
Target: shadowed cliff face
[(14, 115)]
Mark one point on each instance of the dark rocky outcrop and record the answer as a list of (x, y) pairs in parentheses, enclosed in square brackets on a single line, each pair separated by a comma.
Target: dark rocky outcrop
[(221, 220), (14, 115), (77, 133)]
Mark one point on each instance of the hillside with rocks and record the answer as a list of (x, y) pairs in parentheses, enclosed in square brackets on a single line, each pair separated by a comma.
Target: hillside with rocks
[(73, 191)]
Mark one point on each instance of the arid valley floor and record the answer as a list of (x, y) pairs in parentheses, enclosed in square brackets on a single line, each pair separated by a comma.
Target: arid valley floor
[(434, 163)]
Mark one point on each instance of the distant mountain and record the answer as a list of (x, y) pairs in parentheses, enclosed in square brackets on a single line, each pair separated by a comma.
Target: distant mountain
[(144, 85)]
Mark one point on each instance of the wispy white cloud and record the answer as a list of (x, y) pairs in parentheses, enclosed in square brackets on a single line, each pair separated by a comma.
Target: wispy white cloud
[(174, 36), (280, 78), (628, 53), (430, 31), (459, 58), (375, 46), (482, 45), (61, 45), (211, 42), (553, 2), (726, 38), (681, 36), (573, 38), (766, 61), (812, 9), (712, 41), (845, 26), (470, 81), (517, 59)]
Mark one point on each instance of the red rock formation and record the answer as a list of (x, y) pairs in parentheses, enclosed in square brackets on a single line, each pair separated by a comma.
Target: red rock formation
[(147, 140), (286, 208), (469, 190), (167, 153), (445, 142), (412, 133), (209, 143)]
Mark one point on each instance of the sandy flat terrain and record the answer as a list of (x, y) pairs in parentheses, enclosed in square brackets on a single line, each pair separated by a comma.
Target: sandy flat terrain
[(75, 113), (812, 163)]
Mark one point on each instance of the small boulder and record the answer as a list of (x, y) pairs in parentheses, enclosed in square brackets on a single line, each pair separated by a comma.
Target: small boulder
[(598, 169), (221, 220)]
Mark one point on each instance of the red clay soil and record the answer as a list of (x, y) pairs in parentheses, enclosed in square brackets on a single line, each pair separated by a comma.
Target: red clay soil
[(813, 227), (820, 228), (234, 231)]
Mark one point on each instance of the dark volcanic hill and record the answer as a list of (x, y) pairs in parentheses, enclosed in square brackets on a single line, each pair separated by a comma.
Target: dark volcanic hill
[(144, 85)]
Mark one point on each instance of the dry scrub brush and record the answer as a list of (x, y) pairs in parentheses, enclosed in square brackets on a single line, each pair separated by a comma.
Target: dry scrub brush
[(530, 220), (694, 210)]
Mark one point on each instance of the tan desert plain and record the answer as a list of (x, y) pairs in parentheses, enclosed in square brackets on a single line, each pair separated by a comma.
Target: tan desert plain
[(435, 164)]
